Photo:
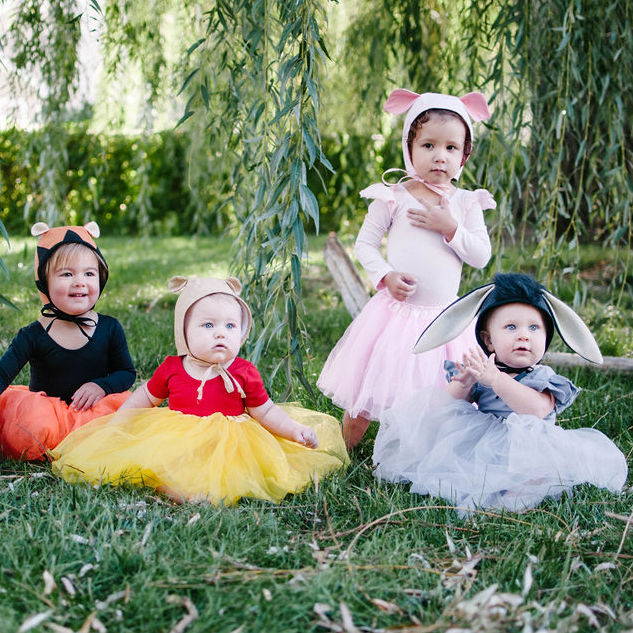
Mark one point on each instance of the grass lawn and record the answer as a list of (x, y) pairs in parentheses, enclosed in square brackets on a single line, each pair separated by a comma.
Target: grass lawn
[(349, 555)]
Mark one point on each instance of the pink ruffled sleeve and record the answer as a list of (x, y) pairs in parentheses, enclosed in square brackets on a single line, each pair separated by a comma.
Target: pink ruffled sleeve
[(376, 224), (471, 242)]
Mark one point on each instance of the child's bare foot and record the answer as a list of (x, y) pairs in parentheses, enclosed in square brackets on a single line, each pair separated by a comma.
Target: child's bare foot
[(354, 429)]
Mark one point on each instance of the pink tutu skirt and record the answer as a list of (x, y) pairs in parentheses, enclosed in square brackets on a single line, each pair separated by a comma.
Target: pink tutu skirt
[(373, 365)]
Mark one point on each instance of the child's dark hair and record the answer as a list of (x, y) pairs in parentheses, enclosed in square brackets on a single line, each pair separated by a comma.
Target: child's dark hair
[(425, 117)]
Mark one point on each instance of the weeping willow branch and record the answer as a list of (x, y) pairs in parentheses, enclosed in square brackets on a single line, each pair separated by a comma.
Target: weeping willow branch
[(562, 72), (257, 82), (42, 39)]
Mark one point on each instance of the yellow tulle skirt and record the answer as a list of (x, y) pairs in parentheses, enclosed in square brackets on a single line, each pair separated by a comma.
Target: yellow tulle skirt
[(216, 458)]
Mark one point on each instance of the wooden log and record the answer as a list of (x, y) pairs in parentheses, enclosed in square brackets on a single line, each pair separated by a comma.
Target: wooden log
[(611, 363), (355, 296), (345, 275)]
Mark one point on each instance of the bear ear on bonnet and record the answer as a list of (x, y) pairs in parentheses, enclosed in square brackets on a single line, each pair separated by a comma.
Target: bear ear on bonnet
[(234, 284), (176, 284)]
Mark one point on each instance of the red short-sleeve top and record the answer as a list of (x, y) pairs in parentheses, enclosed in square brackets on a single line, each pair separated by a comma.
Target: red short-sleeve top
[(170, 380)]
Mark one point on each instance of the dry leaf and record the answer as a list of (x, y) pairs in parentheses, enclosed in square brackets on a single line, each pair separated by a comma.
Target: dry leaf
[(85, 569), (148, 531), (49, 582), (79, 539), (98, 626), (383, 605), (58, 628), (68, 586), (85, 627), (346, 617), (583, 609), (194, 519), (113, 597), (603, 566), (192, 612), (267, 595), (34, 620), (527, 580)]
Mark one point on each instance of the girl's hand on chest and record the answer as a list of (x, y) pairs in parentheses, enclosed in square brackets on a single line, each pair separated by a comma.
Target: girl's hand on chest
[(435, 218)]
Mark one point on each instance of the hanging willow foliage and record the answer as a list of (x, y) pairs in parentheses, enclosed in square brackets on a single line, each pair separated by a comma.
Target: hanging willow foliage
[(42, 39), (256, 83), (562, 73)]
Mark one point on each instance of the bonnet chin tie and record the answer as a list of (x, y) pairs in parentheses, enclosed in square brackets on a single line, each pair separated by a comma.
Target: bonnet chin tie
[(441, 190), (53, 312), (506, 369), (230, 384)]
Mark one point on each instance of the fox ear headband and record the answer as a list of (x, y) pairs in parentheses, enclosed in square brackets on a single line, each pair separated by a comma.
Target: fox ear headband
[(510, 288), (50, 239)]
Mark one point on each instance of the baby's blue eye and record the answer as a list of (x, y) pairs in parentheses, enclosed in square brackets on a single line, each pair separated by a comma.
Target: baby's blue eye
[(208, 325), (231, 326), (511, 326), (534, 327)]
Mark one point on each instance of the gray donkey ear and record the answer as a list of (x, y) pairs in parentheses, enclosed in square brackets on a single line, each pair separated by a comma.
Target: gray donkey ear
[(453, 320), (573, 331)]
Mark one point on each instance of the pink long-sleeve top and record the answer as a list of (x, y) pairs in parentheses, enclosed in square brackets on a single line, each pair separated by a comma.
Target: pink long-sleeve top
[(433, 261)]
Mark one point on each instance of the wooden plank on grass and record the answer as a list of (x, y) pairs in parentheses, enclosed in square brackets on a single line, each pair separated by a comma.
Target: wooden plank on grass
[(345, 275)]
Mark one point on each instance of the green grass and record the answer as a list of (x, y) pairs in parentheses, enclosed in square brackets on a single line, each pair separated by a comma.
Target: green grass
[(349, 544)]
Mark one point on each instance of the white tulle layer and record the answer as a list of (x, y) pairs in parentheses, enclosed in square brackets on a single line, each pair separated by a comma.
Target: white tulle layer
[(447, 448)]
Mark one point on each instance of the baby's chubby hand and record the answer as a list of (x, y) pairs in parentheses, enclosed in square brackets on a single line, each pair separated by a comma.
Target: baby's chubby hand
[(476, 367), (400, 285), (306, 436)]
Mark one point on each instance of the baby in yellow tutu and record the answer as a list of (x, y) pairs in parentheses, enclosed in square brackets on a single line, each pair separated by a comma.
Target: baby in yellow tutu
[(222, 437)]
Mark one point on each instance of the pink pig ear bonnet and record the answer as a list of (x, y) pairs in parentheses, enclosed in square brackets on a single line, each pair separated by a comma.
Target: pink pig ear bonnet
[(470, 107)]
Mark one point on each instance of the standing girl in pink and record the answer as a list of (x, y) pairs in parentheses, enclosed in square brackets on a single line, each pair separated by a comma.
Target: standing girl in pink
[(432, 228)]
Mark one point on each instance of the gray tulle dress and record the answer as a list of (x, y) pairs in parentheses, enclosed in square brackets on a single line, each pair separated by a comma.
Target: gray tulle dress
[(487, 456)]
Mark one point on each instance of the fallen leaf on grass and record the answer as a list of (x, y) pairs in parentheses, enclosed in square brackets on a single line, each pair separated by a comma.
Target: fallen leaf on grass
[(460, 572), (348, 622), (68, 586), (113, 597), (77, 538), (192, 612), (58, 628), (194, 519), (85, 569), (49, 582), (267, 595), (34, 620), (603, 566), (387, 607)]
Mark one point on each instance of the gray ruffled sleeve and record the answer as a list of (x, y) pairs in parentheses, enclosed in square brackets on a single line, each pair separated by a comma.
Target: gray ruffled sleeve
[(544, 378)]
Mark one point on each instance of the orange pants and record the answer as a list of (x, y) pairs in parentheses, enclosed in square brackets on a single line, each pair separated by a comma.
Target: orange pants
[(31, 422)]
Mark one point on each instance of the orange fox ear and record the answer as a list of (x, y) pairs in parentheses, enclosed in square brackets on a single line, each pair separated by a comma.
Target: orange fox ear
[(93, 229), (39, 228), (176, 284), (234, 284)]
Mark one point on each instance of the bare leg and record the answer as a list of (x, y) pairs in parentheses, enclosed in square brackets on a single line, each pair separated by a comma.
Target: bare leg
[(354, 429)]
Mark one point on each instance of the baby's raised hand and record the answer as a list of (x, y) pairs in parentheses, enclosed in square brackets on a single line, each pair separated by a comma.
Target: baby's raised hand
[(306, 436), (86, 396), (481, 367), (400, 285)]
